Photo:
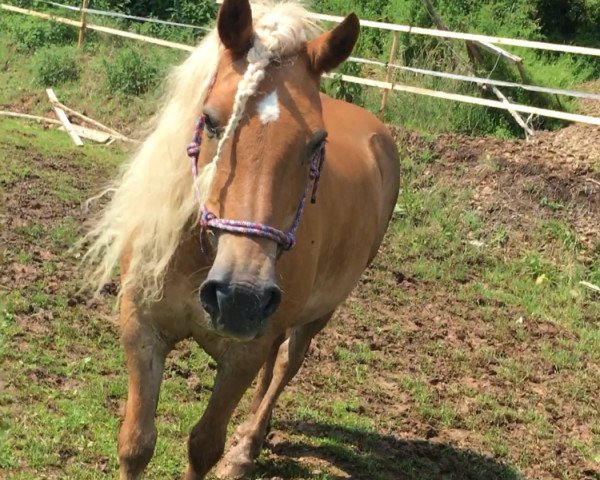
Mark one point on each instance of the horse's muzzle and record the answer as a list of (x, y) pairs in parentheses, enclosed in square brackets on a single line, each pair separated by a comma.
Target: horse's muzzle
[(239, 310)]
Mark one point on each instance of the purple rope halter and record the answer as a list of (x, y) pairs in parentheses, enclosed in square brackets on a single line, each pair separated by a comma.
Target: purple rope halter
[(287, 240)]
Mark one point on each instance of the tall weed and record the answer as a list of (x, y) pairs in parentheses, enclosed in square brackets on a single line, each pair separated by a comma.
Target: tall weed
[(131, 72), (54, 65), (28, 34)]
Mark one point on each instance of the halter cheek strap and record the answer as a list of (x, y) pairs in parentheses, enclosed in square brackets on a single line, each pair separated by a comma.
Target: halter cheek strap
[(287, 240)]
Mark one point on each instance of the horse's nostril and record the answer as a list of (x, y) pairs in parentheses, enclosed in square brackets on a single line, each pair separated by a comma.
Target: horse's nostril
[(238, 303), (272, 299), (208, 296)]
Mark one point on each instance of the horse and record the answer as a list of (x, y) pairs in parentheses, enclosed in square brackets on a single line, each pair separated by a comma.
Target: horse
[(251, 255)]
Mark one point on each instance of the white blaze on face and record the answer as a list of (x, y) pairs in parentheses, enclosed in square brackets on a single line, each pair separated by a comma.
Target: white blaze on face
[(268, 108)]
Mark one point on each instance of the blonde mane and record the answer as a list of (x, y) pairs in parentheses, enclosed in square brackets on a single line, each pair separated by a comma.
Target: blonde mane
[(154, 203)]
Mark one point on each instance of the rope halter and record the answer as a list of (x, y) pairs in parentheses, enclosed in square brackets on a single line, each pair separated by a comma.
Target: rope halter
[(286, 241)]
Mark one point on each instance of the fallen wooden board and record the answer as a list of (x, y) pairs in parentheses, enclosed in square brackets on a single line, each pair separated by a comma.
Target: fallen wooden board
[(62, 116), (97, 124), (26, 116), (91, 134)]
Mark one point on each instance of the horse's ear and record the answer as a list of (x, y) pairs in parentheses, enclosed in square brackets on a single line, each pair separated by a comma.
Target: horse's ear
[(235, 25), (332, 48)]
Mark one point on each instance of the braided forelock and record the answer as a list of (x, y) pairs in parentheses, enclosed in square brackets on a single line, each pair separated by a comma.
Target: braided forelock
[(264, 48)]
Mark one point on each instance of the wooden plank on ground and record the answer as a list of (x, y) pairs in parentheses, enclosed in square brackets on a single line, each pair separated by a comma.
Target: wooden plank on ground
[(26, 116), (97, 124), (62, 116), (91, 134)]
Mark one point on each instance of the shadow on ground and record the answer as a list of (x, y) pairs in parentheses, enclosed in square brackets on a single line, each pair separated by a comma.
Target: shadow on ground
[(337, 453)]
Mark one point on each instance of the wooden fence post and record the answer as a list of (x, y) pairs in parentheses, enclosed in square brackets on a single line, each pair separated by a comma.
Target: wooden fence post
[(84, 6), (388, 75)]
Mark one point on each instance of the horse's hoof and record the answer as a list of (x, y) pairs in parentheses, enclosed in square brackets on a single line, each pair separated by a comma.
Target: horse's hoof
[(228, 470)]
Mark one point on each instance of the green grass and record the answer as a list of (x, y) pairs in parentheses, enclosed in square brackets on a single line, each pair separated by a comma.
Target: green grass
[(92, 93), (538, 282)]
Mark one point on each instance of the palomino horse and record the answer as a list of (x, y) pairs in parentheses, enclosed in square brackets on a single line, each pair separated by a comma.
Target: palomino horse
[(249, 259)]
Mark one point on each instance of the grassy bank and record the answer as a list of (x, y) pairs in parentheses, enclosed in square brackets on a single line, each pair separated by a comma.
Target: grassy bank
[(132, 72)]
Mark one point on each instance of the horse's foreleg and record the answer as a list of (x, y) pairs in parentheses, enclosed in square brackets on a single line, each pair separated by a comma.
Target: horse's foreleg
[(145, 353), (237, 368), (263, 381), (239, 460), (265, 376)]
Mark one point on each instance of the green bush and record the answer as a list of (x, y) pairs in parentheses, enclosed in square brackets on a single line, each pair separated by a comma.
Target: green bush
[(132, 73), (54, 65), (198, 12), (29, 34)]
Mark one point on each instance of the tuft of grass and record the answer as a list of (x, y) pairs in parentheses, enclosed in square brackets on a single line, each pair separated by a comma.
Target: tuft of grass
[(31, 34), (66, 233), (557, 231), (55, 65), (132, 72)]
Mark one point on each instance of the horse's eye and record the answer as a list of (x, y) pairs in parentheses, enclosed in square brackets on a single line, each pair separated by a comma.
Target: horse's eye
[(211, 126)]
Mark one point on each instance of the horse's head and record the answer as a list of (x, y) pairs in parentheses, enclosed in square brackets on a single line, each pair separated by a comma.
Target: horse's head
[(263, 132)]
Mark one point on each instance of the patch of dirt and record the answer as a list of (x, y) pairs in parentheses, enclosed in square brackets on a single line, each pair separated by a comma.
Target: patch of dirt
[(517, 182), (29, 209)]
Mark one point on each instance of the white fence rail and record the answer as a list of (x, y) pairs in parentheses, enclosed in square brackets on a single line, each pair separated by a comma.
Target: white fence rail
[(106, 13), (386, 86), (98, 28), (479, 80), (392, 27), (571, 117)]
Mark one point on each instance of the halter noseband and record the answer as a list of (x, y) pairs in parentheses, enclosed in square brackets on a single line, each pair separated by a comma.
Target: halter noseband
[(287, 240)]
